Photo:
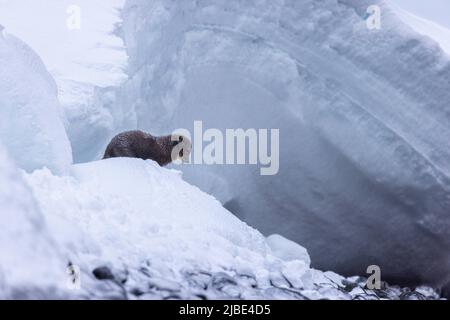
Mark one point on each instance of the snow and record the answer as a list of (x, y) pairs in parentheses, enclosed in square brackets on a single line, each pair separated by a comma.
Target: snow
[(128, 213), (31, 119), (149, 206), (364, 175), (30, 260), (152, 235)]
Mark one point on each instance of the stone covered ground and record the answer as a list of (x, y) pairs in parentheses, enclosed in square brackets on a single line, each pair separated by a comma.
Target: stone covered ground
[(141, 285)]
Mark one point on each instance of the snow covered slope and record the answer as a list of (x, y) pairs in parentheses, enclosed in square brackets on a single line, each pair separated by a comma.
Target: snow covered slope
[(157, 231), (363, 116), (150, 235), (31, 118)]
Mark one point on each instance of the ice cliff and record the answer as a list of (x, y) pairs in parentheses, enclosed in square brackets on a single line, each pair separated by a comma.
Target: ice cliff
[(363, 118), (31, 118)]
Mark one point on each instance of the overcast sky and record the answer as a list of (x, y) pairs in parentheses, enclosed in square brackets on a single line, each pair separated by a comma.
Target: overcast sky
[(435, 10)]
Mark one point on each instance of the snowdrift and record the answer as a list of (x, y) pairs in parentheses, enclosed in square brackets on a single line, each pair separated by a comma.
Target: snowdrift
[(150, 235), (363, 119), (130, 229), (160, 237), (31, 119)]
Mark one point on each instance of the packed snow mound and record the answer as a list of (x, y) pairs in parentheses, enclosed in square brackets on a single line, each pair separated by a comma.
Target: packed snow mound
[(78, 42), (30, 263), (363, 116), (133, 214), (31, 119), (132, 208), (135, 230)]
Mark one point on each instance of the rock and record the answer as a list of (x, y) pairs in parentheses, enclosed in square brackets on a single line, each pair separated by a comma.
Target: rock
[(103, 273), (221, 279)]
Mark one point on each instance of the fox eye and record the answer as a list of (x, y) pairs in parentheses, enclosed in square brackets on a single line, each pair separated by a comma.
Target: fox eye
[(180, 139)]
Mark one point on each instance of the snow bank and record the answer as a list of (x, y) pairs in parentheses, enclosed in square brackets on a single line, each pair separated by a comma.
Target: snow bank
[(31, 121), (31, 265), (363, 115), (150, 227), (132, 208), (150, 235)]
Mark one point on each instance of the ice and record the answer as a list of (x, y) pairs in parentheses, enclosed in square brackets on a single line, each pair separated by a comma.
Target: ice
[(287, 250), (31, 119), (31, 263), (86, 60), (364, 171), (151, 212)]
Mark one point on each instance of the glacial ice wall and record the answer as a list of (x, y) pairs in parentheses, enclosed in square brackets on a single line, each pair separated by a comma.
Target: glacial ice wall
[(363, 118), (79, 45), (31, 118)]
